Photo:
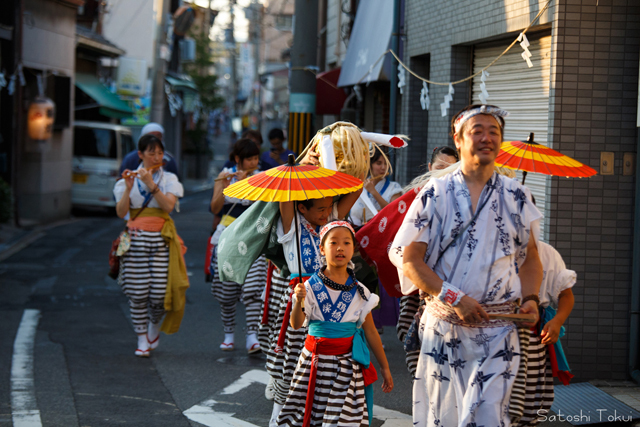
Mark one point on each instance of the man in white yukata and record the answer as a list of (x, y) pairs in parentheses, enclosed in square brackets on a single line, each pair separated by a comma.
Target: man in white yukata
[(469, 243)]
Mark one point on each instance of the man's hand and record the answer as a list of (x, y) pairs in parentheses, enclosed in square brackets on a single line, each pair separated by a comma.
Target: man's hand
[(470, 311), (529, 307), (551, 332)]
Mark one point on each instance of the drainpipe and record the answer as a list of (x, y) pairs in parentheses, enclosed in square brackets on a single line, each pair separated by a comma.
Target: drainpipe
[(634, 320)]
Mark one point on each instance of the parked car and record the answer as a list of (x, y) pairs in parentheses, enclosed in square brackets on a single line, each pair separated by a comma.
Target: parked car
[(98, 149)]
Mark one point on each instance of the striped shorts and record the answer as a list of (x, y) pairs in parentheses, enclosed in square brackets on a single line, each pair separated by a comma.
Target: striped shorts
[(143, 277), (229, 294), (339, 398)]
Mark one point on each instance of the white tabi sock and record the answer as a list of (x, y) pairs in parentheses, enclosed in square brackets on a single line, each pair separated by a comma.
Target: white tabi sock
[(273, 422)]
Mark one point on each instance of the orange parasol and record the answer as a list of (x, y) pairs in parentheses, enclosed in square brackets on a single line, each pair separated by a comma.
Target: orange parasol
[(529, 156), (291, 183)]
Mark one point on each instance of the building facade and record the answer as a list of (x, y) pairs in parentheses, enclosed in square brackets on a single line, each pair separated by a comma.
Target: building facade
[(580, 97)]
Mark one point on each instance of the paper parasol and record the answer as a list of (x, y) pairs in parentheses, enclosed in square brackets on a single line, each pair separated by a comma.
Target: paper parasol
[(288, 183), (529, 156), (291, 183)]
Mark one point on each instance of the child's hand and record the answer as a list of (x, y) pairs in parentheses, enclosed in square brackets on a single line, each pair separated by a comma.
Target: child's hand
[(551, 332), (301, 292), (387, 381)]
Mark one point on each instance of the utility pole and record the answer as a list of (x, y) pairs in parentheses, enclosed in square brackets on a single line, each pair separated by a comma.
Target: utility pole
[(304, 56), (233, 56), (393, 98), (256, 36), (159, 67)]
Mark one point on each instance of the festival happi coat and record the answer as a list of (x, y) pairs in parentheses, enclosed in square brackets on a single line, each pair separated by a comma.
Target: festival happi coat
[(465, 373)]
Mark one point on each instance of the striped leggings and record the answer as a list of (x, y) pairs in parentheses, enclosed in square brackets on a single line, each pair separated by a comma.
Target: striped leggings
[(229, 294), (409, 305), (143, 278)]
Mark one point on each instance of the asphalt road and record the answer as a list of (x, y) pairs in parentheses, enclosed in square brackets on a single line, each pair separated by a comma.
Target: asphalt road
[(84, 369)]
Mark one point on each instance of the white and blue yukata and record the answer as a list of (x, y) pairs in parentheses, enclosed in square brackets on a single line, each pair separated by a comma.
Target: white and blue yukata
[(360, 214), (466, 372), (342, 394), (282, 359)]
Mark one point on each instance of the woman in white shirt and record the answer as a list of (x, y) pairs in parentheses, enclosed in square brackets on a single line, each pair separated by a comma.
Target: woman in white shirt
[(153, 266)]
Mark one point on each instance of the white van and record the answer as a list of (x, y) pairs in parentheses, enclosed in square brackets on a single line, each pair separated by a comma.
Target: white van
[(98, 149)]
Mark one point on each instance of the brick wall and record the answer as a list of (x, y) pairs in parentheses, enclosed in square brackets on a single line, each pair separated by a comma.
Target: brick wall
[(593, 99), (593, 107)]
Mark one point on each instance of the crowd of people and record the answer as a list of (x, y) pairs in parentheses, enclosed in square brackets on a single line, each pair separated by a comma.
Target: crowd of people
[(477, 299)]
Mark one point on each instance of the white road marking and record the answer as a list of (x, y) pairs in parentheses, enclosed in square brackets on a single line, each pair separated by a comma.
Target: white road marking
[(24, 407), (204, 413), (391, 418), (245, 380)]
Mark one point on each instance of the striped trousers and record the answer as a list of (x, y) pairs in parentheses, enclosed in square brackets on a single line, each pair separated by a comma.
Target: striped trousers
[(229, 294), (282, 365), (409, 305), (143, 278), (269, 331), (539, 392)]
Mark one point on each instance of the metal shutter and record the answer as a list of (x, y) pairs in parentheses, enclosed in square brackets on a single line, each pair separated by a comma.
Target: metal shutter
[(524, 93)]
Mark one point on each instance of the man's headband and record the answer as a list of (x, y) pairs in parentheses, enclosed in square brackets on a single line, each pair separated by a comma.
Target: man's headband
[(496, 112), (335, 224)]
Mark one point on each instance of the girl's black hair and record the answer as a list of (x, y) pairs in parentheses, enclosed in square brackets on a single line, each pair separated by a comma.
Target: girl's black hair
[(446, 150), (244, 148), (376, 155), (149, 141)]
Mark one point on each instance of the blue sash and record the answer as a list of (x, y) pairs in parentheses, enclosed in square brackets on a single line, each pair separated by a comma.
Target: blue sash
[(548, 314), (332, 311), (359, 350)]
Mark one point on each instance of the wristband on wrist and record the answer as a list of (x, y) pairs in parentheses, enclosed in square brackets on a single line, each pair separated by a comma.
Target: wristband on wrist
[(450, 295), (155, 190), (531, 297)]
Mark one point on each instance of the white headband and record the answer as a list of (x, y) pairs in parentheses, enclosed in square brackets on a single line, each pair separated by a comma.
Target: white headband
[(496, 112)]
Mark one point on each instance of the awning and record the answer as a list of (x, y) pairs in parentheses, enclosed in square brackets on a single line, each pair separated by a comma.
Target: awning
[(369, 40), (109, 103), (182, 83), (329, 98)]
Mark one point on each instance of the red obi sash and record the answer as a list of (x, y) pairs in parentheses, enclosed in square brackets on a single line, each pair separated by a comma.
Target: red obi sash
[(329, 347), (265, 313)]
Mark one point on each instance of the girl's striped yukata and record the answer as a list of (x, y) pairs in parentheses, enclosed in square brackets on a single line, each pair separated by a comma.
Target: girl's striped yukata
[(331, 382)]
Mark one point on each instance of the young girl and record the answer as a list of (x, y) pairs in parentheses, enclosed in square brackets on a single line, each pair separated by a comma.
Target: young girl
[(332, 382), (246, 155)]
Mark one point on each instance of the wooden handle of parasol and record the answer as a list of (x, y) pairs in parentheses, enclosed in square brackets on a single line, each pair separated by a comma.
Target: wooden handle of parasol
[(229, 176), (515, 317), (127, 174)]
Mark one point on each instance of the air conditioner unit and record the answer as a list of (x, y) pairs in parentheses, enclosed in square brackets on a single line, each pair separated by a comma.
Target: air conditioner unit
[(187, 50)]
